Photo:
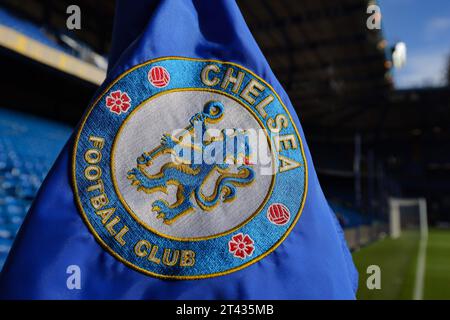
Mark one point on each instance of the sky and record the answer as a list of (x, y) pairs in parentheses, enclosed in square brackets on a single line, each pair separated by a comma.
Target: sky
[(425, 28)]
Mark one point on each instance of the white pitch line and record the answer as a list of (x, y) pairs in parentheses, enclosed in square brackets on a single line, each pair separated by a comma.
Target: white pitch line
[(420, 269), (421, 257)]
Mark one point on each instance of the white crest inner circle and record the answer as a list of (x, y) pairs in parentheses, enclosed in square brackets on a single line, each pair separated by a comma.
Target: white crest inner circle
[(142, 132)]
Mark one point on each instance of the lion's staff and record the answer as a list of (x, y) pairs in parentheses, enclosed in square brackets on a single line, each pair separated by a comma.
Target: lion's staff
[(212, 112)]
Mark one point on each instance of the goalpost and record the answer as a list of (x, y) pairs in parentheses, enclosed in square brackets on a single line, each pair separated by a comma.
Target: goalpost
[(407, 214)]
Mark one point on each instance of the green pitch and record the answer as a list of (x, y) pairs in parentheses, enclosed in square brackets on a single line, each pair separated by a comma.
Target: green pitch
[(398, 260)]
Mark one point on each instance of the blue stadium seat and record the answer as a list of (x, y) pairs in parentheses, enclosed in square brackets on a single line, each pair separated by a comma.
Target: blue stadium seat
[(28, 148), (349, 218)]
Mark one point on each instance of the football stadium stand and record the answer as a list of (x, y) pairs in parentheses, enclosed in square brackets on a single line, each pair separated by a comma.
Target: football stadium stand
[(28, 148), (31, 30), (50, 48)]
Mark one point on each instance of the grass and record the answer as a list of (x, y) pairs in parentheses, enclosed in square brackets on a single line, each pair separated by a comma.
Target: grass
[(397, 260), (437, 276)]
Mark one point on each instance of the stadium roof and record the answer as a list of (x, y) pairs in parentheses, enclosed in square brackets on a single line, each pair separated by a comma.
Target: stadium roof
[(335, 70), (331, 65)]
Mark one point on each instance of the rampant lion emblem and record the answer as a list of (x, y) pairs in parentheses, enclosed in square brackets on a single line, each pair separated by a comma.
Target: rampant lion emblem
[(190, 178)]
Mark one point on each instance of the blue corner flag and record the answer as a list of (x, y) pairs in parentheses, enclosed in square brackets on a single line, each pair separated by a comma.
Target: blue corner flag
[(188, 177)]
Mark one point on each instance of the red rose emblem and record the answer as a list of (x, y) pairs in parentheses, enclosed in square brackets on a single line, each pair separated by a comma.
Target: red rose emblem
[(118, 102), (241, 246)]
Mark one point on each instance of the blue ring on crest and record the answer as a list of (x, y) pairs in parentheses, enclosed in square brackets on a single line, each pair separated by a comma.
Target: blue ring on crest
[(212, 255)]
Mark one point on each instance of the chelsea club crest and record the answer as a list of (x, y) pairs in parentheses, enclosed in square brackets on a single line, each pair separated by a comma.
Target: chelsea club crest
[(186, 168)]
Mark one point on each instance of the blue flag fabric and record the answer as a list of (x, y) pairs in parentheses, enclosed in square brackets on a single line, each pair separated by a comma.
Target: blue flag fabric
[(99, 230)]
